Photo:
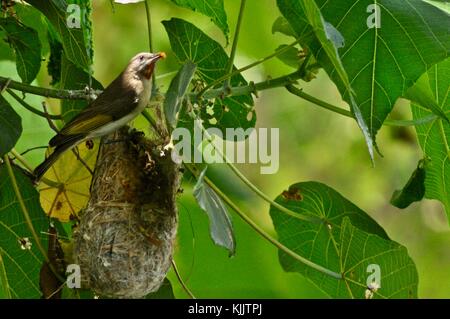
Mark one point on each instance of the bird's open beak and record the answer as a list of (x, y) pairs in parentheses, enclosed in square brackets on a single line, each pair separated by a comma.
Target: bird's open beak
[(156, 57), (151, 64)]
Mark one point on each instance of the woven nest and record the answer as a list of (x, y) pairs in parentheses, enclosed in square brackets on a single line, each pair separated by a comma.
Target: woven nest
[(125, 238)]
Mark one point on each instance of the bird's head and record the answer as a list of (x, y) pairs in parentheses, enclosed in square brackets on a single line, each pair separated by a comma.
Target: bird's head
[(143, 64)]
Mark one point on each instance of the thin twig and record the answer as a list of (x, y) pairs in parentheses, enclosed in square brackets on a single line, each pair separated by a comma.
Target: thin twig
[(5, 86), (82, 161), (30, 108), (33, 149), (245, 68), (177, 273), (49, 120), (149, 31)]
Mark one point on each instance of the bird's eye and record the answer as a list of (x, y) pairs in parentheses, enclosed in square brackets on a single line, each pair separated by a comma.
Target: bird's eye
[(141, 58)]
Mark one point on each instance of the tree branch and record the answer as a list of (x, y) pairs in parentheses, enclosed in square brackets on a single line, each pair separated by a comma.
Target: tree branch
[(52, 93), (30, 108)]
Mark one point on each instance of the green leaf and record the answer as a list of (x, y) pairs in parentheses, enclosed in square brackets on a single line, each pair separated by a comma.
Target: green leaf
[(176, 92), (190, 44), (73, 39), (27, 48), (10, 127), (337, 245), (291, 57), (34, 19), (306, 18), (434, 137), (414, 189), (22, 265), (164, 292), (220, 226), (212, 8), (56, 52), (422, 94), (382, 63), (76, 79), (282, 26)]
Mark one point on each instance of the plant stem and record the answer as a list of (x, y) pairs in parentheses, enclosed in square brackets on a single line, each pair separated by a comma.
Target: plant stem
[(235, 42), (300, 93), (185, 287), (211, 94), (245, 68), (53, 93), (251, 87), (265, 235), (149, 31), (255, 189), (32, 109)]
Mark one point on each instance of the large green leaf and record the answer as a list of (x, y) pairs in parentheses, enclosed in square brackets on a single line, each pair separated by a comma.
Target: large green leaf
[(27, 48), (434, 137), (21, 262), (190, 44), (316, 33), (220, 226), (33, 18), (422, 94), (73, 39), (211, 8), (382, 63), (10, 127), (346, 242), (176, 92), (74, 78)]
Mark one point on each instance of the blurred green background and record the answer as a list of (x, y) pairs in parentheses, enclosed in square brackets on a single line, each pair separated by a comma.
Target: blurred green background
[(314, 145)]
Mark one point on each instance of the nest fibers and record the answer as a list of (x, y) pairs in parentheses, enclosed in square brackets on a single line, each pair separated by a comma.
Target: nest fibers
[(125, 238)]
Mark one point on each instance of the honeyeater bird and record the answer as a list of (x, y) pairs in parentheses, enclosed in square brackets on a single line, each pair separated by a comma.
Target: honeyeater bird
[(123, 100)]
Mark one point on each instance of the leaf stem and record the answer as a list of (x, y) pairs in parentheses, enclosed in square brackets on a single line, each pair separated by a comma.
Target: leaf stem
[(265, 235), (149, 31), (300, 93), (30, 108), (245, 68), (180, 279), (229, 69)]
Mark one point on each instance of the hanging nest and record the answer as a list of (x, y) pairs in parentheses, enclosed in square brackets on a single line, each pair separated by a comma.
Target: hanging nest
[(126, 234)]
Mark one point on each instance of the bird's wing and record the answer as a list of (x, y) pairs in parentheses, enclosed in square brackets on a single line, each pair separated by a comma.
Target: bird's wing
[(103, 110)]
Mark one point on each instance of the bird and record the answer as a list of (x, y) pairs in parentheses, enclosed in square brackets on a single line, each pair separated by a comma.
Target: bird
[(123, 100)]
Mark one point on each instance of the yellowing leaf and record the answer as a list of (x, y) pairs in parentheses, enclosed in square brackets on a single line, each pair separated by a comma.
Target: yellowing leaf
[(72, 181)]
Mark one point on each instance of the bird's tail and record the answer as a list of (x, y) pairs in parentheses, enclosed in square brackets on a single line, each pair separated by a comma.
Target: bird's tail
[(49, 161)]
